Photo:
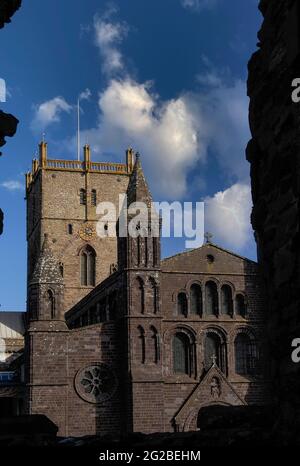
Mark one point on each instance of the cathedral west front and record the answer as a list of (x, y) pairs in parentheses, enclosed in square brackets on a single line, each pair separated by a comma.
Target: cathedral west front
[(118, 339)]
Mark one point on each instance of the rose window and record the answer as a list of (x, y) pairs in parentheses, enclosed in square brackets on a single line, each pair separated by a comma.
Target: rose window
[(96, 383)]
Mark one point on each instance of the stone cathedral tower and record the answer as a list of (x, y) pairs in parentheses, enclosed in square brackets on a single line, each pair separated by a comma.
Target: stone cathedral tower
[(61, 201)]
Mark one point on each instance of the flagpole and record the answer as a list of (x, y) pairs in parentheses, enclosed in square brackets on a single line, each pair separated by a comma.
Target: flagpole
[(78, 130)]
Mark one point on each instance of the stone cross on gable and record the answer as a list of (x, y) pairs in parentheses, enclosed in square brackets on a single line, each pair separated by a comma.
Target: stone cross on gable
[(208, 236)]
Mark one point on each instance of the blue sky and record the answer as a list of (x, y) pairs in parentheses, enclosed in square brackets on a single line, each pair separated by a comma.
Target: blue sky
[(165, 76)]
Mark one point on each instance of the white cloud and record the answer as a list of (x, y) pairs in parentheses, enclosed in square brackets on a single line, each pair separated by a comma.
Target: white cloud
[(174, 135), (224, 107), (164, 132), (227, 216), (209, 78), (108, 36), (49, 112), (12, 185), (85, 95), (2, 90), (127, 105), (198, 4)]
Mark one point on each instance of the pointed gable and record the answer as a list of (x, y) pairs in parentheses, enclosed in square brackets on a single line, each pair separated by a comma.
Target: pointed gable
[(214, 388), (210, 259), (46, 269)]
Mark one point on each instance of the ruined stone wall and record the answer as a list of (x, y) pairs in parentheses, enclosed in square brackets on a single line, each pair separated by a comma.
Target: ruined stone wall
[(8, 123), (274, 155), (7, 10)]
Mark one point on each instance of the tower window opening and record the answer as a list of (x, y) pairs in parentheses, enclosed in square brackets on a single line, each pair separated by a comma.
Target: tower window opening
[(94, 197), (88, 267), (82, 197)]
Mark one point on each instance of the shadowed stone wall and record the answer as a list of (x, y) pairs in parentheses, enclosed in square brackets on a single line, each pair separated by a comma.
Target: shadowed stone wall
[(7, 10), (274, 155), (8, 123)]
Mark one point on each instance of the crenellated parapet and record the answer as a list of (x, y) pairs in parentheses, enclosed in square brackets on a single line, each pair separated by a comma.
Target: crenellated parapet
[(85, 165)]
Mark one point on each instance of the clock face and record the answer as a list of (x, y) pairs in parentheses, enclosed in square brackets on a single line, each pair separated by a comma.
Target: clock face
[(87, 232)]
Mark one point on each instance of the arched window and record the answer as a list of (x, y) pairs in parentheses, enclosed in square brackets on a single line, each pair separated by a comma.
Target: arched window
[(51, 303), (155, 296), (61, 269), (196, 299), (246, 357), (214, 351), (141, 294), (82, 196), (94, 197), (88, 266), (226, 300), (211, 299), (142, 347), (182, 304), (240, 305), (182, 354), (155, 345)]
